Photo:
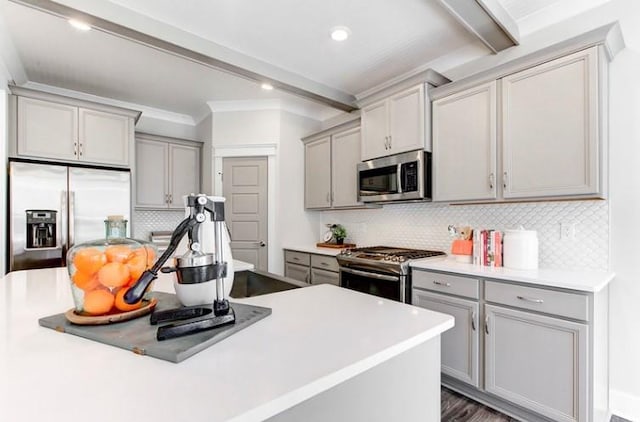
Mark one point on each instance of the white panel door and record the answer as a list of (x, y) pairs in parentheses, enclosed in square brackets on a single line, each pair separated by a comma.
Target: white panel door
[(47, 130), (550, 128), (406, 120), (537, 362), (460, 345), (94, 195), (244, 186), (104, 137), (464, 145), (345, 156), (317, 173), (184, 173), (375, 131), (152, 174)]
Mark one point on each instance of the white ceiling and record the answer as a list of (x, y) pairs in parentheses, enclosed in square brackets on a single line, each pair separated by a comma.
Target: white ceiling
[(388, 39)]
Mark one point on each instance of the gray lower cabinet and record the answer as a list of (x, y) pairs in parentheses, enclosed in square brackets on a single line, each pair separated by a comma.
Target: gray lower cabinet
[(311, 268), (460, 358), (535, 352), (297, 272), (536, 361)]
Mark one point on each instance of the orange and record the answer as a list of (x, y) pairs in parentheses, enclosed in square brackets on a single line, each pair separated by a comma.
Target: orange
[(98, 302), (85, 281), (124, 306), (89, 260), (148, 252), (117, 253), (136, 266), (114, 274)]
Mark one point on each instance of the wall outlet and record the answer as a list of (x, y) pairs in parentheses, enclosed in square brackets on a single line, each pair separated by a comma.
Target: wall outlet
[(567, 231)]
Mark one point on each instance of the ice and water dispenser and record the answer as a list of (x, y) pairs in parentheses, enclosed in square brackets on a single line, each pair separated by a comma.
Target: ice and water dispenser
[(41, 229)]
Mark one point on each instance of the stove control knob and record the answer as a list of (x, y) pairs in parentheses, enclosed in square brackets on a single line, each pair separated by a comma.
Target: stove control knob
[(387, 258), (401, 259)]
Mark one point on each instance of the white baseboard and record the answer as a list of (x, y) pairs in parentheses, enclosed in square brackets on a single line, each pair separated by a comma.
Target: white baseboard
[(625, 405)]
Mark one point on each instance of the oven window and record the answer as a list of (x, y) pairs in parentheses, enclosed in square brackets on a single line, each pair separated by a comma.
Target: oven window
[(383, 288), (379, 181)]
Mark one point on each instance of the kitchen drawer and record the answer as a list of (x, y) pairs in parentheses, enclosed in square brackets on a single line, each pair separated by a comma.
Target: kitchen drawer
[(324, 262), (322, 277), (446, 283), (297, 257), (297, 272), (570, 305)]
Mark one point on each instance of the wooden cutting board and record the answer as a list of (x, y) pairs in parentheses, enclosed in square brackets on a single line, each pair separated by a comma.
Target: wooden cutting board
[(139, 336), (335, 245)]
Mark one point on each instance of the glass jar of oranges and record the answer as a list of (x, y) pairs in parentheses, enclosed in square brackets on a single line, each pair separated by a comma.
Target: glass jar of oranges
[(101, 271)]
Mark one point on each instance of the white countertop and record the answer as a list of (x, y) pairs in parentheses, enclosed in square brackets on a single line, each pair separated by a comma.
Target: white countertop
[(316, 338), (582, 280), (315, 249)]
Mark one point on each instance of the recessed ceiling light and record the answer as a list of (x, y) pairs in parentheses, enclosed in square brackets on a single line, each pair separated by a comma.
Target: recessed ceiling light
[(340, 33), (267, 86), (79, 25)]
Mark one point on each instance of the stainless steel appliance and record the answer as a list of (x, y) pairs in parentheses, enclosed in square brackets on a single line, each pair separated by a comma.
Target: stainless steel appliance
[(381, 270), (399, 177), (70, 202)]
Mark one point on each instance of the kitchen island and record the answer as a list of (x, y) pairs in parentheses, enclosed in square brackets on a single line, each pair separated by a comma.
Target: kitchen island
[(325, 353)]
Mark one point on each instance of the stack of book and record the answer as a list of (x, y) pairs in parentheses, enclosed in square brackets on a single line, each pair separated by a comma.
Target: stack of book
[(487, 248)]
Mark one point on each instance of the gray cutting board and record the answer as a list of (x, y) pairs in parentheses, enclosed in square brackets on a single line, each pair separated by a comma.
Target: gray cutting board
[(139, 336)]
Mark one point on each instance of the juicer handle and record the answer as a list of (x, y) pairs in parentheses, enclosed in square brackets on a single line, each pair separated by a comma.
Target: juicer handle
[(135, 292)]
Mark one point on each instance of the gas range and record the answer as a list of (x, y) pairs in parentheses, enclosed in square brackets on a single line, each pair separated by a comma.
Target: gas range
[(384, 258), (381, 270)]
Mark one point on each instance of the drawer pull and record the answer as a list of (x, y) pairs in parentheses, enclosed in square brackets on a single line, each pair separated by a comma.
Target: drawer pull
[(296, 259), (473, 321), (440, 283), (324, 264), (530, 299)]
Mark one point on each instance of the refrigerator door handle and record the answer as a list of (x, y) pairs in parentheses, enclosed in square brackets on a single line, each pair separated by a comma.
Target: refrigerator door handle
[(72, 217), (63, 232)]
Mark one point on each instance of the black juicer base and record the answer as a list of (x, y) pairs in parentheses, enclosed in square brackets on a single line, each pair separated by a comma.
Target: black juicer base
[(203, 323)]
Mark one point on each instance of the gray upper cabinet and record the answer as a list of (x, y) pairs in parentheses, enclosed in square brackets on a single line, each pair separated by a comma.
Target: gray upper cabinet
[(317, 173), (166, 169), (545, 137), (550, 119), (64, 131), (464, 154), (395, 124), (331, 159)]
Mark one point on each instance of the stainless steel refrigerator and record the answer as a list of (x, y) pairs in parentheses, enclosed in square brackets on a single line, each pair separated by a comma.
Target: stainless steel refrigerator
[(53, 207)]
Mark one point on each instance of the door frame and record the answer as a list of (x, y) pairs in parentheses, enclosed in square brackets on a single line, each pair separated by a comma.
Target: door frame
[(252, 150)]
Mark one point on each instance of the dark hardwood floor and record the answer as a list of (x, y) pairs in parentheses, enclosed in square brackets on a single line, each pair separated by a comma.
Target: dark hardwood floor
[(457, 408)]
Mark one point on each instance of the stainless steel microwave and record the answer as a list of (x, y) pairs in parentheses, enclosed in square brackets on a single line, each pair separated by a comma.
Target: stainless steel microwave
[(400, 177)]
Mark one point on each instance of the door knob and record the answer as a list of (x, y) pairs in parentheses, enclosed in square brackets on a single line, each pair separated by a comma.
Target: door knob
[(262, 244)]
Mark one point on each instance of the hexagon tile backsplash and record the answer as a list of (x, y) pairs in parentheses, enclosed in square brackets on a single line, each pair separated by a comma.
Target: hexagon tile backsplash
[(424, 226), (147, 221)]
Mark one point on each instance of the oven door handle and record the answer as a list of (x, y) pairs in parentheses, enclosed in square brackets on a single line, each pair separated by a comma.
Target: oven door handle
[(370, 275)]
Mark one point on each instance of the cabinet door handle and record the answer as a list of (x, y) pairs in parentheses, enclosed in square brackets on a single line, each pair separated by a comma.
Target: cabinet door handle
[(491, 178), (386, 142), (473, 321), (328, 197), (75, 148), (504, 180), (530, 299), (440, 283), (390, 146), (486, 324), (80, 148), (171, 198)]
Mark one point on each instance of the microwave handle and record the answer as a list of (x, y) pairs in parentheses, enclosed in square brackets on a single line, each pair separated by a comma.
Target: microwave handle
[(399, 177)]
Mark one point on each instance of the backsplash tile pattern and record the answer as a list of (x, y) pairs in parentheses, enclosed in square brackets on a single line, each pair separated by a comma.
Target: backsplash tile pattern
[(424, 225), (154, 220)]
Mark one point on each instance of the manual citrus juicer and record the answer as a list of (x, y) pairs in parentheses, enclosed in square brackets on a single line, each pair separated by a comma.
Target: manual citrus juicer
[(194, 266)]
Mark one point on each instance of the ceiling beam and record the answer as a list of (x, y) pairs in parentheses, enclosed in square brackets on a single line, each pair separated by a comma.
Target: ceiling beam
[(344, 102), (487, 20)]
